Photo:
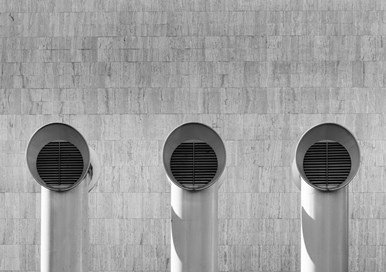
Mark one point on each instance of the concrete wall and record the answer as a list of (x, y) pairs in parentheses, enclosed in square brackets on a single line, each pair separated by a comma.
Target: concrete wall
[(127, 72)]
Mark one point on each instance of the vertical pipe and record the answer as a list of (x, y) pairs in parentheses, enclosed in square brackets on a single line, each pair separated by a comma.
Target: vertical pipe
[(194, 229), (324, 230), (64, 229)]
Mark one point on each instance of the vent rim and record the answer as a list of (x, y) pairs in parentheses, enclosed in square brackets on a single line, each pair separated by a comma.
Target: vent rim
[(194, 132), (56, 132), (328, 132)]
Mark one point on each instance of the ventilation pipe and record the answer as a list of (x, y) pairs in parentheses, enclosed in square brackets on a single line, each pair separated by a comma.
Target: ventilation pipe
[(327, 159), (60, 160), (194, 159)]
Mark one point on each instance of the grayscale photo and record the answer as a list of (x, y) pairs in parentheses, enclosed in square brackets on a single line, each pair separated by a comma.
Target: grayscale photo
[(192, 135)]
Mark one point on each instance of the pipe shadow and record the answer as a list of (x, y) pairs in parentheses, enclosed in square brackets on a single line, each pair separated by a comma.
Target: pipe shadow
[(324, 242), (308, 227), (178, 235)]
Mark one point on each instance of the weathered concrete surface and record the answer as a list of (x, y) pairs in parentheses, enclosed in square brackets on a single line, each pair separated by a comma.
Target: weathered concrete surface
[(127, 72)]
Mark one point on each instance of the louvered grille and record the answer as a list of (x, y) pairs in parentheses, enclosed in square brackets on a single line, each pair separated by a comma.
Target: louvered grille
[(59, 164), (327, 164), (194, 164)]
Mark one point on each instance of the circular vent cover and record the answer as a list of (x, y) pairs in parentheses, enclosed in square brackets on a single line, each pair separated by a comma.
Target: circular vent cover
[(194, 165), (194, 157), (60, 165), (327, 164)]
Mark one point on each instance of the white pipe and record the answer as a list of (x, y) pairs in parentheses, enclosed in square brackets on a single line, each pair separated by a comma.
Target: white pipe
[(324, 230), (194, 226), (64, 229), (64, 211), (194, 229), (324, 214)]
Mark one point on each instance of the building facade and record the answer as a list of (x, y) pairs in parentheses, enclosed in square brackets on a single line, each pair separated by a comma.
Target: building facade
[(125, 73)]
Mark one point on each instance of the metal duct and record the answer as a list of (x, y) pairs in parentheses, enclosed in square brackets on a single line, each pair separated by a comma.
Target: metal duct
[(194, 158), (327, 159), (60, 160), (58, 157)]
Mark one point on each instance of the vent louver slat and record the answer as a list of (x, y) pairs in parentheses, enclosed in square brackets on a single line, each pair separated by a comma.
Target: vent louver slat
[(327, 164), (194, 164), (59, 164)]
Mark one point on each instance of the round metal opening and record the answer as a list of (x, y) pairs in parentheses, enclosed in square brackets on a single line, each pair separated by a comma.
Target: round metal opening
[(327, 164), (58, 157), (194, 156), (59, 164), (194, 164), (327, 157)]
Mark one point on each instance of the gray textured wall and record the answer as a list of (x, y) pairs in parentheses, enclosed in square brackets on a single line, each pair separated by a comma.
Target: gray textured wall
[(127, 72)]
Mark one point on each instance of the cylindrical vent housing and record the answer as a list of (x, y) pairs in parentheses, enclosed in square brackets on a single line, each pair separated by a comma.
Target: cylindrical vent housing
[(58, 157), (194, 156), (327, 157)]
